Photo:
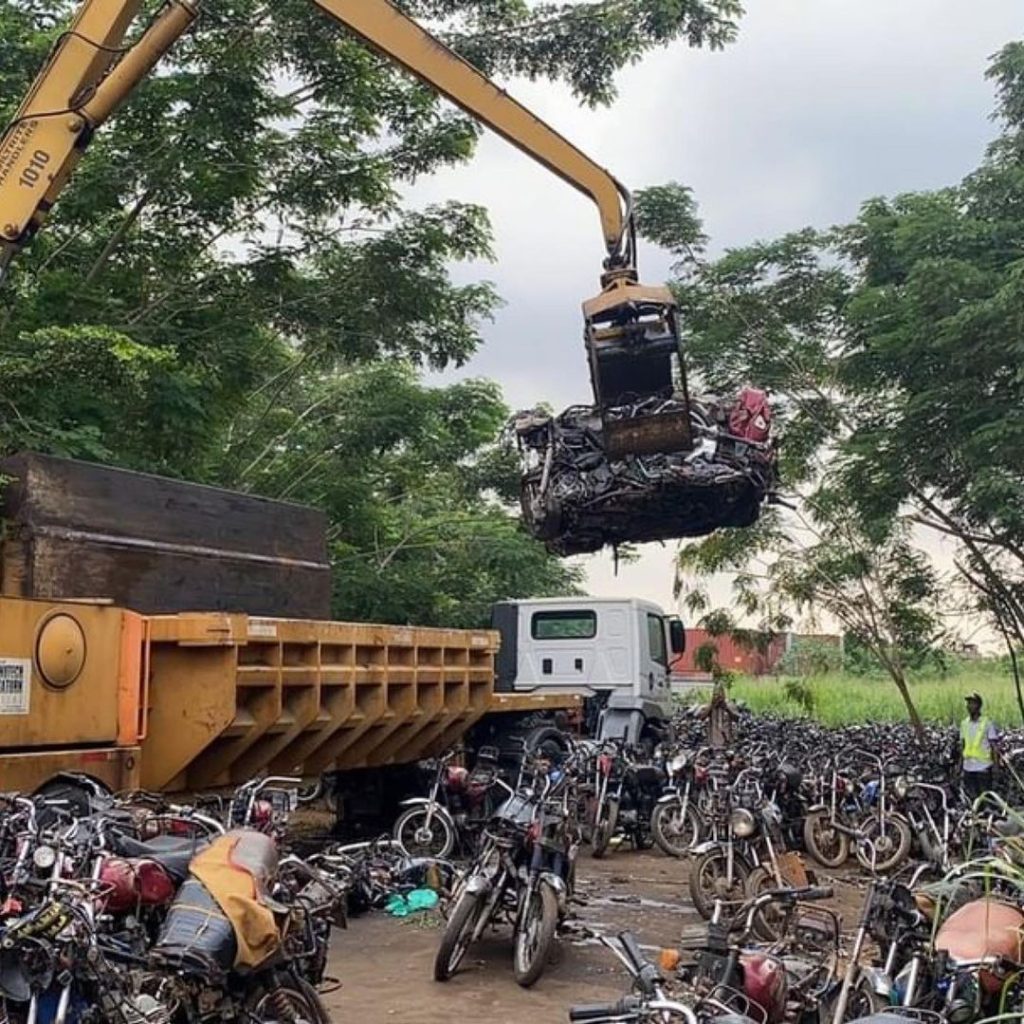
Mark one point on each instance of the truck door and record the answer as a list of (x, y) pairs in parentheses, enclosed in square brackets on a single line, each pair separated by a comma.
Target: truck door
[(653, 655)]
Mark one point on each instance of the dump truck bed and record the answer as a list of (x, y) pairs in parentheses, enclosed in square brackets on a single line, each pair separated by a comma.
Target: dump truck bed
[(193, 701)]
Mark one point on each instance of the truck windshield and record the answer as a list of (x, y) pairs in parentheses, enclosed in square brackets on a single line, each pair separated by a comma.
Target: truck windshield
[(567, 624), (656, 639)]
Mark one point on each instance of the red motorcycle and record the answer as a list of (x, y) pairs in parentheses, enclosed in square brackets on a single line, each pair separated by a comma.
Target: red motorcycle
[(459, 805)]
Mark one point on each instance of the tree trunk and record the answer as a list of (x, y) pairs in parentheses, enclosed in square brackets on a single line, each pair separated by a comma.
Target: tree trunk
[(901, 684)]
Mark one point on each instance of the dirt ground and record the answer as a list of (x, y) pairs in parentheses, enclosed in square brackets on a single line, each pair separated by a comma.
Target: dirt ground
[(385, 965)]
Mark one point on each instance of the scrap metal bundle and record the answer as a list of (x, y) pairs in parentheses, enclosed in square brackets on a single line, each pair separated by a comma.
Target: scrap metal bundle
[(577, 500)]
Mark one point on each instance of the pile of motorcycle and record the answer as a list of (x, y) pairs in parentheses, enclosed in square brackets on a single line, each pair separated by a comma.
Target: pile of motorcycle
[(130, 910), (947, 953), (577, 500)]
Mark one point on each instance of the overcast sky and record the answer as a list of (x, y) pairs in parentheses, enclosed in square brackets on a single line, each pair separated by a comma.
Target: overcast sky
[(818, 106)]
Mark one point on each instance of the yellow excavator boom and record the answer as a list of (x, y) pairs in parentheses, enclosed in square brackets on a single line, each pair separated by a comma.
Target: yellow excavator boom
[(88, 75)]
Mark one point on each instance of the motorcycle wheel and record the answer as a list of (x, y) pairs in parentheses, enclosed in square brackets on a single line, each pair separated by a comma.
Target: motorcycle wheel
[(676, 833), (827, 845), (458, 933), (604, 830), (882, 854), (534, 937), (412, 834), (770, 921), (864, 1001), (708, 882), (289, 1004)]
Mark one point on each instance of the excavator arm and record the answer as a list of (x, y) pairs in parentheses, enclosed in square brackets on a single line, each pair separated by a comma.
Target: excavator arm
[(631, 333)]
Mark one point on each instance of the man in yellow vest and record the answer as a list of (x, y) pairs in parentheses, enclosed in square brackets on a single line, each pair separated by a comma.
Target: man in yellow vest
[(979, 741)]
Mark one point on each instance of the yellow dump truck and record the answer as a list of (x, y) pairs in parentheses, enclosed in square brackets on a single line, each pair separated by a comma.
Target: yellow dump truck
[(138, 644)]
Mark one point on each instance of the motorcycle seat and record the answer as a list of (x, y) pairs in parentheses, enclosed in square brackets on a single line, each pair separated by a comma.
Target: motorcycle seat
[(980, 929), (884, 1017), (173, 853)]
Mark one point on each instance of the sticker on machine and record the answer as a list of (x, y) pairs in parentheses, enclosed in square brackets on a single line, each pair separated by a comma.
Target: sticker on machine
[(15, 685)]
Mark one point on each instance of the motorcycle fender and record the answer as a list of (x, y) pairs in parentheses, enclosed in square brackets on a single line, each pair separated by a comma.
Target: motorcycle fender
[(706, 847), (814, 808), (440, 811), (478, 885), (556, 883), (879, 982), (670, 797), (560, 889)]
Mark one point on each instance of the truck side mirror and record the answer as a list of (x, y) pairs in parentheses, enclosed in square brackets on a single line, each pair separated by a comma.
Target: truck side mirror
[(677, 636)]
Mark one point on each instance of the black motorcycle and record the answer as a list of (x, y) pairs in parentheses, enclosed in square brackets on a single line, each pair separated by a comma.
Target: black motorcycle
[(627, 791)]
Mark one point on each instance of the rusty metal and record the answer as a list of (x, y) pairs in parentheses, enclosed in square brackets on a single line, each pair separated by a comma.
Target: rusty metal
[(577, 499), (647, 435)]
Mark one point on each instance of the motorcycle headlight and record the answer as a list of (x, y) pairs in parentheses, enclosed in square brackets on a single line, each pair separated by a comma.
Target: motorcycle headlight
[(742, 823), (960, 1012), (677, 764), (44, 857), (902, 787)]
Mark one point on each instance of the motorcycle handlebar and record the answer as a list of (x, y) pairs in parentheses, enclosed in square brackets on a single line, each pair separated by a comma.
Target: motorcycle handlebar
[(811, 893), (594, 1013), (647, 975)]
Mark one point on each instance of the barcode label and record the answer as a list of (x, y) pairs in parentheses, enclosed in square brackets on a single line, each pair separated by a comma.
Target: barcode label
[(15, 685)]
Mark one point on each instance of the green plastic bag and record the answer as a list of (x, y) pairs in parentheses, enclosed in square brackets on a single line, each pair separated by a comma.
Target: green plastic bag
[(415, 901)]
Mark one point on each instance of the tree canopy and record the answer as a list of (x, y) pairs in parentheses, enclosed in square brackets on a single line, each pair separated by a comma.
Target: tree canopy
[(892, 346), (233, 290)]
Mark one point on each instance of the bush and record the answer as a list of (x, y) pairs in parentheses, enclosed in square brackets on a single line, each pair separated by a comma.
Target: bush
[(810, 657)]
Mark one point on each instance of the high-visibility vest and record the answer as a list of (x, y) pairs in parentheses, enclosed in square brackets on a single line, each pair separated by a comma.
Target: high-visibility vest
[(976, 747)]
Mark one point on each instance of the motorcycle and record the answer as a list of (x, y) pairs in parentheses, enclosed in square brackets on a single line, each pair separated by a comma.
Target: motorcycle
[(524, 873), (676, 823), (793, 980), (258, 964), (750, 859), (649, 1001), (627, 793), (901, 933), (459, 803)]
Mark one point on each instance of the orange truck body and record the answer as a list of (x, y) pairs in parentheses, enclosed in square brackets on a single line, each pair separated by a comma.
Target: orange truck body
[(177, 700)]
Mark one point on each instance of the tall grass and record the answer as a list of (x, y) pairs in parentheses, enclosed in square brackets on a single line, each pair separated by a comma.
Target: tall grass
[(844, 699)]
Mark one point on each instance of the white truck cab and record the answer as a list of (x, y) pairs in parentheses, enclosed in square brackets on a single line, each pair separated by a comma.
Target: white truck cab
[(615, 651)]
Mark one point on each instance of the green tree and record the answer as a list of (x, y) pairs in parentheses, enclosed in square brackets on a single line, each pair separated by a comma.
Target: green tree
[(231, 290), (892, 347)]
